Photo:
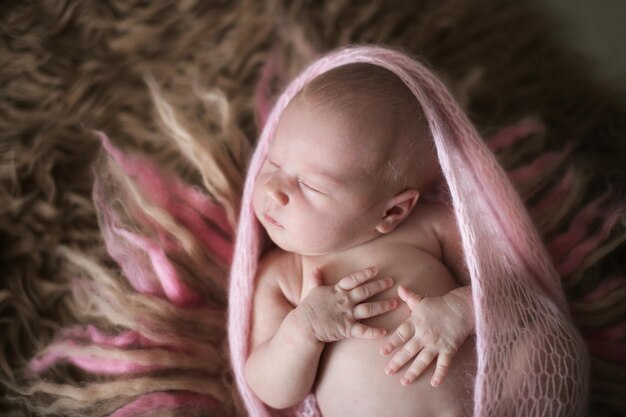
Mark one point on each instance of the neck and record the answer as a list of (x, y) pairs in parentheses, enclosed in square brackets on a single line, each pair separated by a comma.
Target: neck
[(310, 261)]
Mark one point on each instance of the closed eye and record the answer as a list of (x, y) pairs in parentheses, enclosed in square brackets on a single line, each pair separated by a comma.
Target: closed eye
[(308, 187)]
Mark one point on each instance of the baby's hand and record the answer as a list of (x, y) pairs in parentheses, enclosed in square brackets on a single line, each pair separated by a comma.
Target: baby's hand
[(437, 327), (332, 312)]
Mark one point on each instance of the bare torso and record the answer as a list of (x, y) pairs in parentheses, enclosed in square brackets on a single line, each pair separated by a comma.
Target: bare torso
[(351, 380)]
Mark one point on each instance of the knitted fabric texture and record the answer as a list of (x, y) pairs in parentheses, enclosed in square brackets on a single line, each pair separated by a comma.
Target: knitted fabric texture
[(531, 361)]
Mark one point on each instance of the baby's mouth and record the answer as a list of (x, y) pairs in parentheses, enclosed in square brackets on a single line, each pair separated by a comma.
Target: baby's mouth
[(272, 220)]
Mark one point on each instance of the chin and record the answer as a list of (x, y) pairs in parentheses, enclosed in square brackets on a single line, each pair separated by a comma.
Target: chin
[(279, 241), (289, 246)]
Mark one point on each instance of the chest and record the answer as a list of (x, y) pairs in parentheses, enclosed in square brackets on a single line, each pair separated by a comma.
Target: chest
[(408, 265)]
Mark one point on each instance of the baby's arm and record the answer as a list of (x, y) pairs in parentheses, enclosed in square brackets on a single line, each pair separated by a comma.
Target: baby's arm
[(447, 232), (282, 363), (287, 342), (438, 326)]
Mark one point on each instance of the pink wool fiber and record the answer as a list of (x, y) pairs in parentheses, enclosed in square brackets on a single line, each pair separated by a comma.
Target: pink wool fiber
[(189, 206), (156, 266), (166, 401), (531, 361)]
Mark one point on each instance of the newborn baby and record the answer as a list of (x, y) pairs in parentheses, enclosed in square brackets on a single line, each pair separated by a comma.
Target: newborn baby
[(339, 196)]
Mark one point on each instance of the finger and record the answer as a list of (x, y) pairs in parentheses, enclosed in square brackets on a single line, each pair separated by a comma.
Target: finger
[(403, 334), (404, 355), (443, 366), (370, 289), (409, 297), (419, 365), (358, 278), (362, 331), (375, 308)]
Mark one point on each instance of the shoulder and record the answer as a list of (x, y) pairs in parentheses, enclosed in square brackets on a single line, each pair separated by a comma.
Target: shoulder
[(429, 227), (442, 218), (432, 227), (272, 262), (434, 217), (270, 302), (444, 227), (279, 272)]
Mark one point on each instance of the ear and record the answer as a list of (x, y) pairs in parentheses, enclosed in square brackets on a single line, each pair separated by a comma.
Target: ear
[(397, 209)]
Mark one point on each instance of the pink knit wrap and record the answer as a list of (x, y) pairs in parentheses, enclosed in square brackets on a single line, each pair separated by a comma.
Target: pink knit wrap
[(531, 361)]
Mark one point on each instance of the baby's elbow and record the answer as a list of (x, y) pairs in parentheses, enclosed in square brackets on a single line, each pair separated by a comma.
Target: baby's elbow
[(272, 396), (279, 403)]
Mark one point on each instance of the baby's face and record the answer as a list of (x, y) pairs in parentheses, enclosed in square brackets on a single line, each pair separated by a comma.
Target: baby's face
[(314, 194)]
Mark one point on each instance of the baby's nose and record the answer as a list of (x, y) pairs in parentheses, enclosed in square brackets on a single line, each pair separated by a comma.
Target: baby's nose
[(274, 190)]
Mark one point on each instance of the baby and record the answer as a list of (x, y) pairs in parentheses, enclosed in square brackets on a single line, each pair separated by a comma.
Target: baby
[(338, 193)]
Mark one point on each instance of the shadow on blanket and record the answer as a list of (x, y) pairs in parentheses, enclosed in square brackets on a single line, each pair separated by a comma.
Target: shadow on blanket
[(126, 316)]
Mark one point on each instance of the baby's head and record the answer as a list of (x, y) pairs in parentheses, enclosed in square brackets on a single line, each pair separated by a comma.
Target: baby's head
[(350, 156)]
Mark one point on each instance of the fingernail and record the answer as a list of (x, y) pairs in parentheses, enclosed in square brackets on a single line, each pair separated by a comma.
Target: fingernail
[(404, 382), (388, 371), (434, 383)]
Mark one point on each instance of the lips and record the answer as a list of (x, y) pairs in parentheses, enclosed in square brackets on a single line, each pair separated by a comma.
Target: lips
[(272, 220)]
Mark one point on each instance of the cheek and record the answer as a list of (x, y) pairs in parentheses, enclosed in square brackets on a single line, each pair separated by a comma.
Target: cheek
[(356, 222), (346, 227), (332, 229)]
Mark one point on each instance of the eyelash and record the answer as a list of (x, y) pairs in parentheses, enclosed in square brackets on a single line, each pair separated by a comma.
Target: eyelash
[(302, 183)]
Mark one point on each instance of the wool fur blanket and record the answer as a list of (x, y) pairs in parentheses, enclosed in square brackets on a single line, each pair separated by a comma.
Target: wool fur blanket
[(115, 258)]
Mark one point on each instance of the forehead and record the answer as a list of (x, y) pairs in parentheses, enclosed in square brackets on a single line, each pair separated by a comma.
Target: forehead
[(327, 138)]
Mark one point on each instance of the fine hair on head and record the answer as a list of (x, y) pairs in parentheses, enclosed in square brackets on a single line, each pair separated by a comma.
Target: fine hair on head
[(373, 99)]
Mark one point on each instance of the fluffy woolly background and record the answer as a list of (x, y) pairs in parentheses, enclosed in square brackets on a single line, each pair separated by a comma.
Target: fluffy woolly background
[(188, 83)]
